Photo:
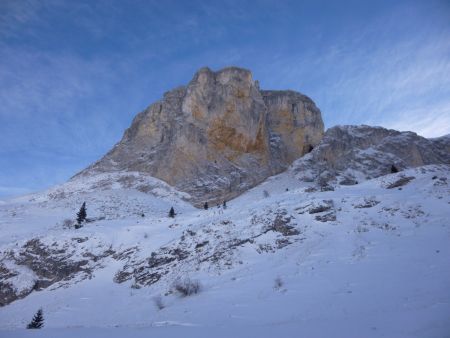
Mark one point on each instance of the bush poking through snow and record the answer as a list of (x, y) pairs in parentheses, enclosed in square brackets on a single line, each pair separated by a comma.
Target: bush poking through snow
[(172, 212), (38, 320), (68, 223), (278, 283), (159, 302), (187, 287)]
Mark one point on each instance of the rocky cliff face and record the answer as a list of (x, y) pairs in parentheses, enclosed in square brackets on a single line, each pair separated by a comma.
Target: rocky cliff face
[(218, 136), (350, 154)]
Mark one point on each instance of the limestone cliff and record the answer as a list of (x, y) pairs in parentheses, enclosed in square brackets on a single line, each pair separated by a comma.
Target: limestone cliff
[(218, 136)]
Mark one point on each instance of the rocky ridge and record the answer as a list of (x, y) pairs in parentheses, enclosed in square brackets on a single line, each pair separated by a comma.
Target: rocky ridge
[(348, 155)]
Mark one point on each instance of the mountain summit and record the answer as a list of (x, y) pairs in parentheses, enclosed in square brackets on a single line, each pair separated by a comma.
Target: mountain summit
[(218, 136)]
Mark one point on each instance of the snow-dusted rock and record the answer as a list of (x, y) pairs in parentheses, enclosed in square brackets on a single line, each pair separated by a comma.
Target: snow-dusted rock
[(351, 154)]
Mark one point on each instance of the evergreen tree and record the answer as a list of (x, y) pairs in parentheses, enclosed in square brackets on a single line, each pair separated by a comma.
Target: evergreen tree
[(205, 206), (172, 213), (394, 169), (224, 205), (81, 215), (38, 320)]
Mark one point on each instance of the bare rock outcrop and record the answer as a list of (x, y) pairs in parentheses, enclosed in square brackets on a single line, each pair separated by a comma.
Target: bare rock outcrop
[(293, 123), (218, 136), (348, 154)]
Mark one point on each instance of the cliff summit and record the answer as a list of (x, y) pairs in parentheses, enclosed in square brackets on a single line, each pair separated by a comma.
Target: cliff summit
[(218, 136)]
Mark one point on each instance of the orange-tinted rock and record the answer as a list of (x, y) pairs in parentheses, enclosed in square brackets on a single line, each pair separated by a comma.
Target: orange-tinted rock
[(218, 136)]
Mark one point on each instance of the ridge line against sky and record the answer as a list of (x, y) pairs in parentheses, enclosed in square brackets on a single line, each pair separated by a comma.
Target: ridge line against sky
[(74, 74)]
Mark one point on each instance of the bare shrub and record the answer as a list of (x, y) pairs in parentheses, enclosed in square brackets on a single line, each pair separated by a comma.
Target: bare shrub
[(187, 287), (278, 283), (68, 223), (159, 302)]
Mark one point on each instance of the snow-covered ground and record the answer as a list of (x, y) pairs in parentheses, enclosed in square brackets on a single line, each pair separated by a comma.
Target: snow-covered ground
[(367, 260)]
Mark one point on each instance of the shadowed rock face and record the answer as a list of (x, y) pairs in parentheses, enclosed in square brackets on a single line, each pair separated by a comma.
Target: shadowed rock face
[(348, 154), (218, 136)]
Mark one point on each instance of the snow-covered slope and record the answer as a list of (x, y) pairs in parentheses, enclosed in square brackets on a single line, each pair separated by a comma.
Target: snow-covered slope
[(285, 259)]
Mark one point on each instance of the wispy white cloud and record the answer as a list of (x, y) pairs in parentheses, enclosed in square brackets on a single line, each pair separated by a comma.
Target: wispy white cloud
[(46, 96), (430, 121), (372, 76)]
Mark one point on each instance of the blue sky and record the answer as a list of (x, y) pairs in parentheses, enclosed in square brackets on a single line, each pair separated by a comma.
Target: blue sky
[(73, 74)]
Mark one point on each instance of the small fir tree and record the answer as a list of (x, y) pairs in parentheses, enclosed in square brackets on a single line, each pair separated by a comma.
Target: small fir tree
[(172, 213), (81, 215), (205, 206), (38, 320)]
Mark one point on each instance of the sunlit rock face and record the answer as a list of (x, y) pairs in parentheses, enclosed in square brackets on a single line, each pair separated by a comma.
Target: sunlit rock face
[(295, 120), (218, 136)]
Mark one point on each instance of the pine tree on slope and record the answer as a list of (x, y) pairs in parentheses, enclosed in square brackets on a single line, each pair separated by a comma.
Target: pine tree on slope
[(81, 215), (172, 212), (38, 320)]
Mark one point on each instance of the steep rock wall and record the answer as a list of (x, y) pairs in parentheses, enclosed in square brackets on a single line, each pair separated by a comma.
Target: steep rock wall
[(218, 136)]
